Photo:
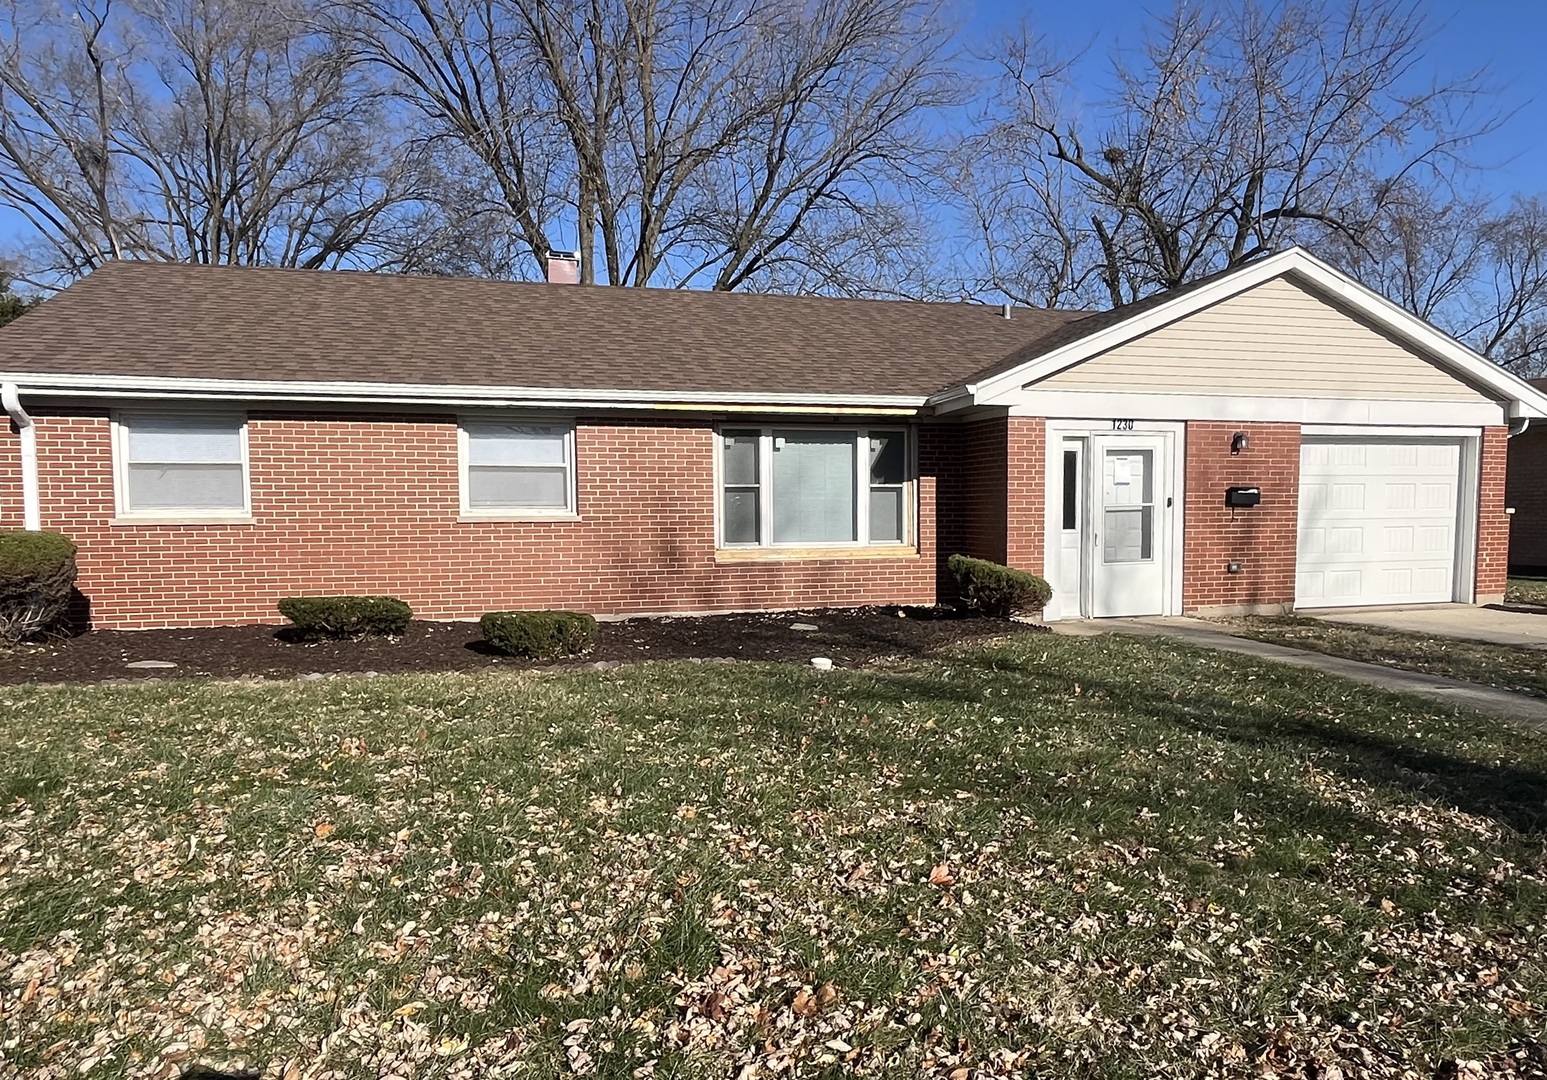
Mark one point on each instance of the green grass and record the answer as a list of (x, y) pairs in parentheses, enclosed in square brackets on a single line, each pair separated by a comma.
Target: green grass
[(1146, 861), (1526, 590), (1508, 667)]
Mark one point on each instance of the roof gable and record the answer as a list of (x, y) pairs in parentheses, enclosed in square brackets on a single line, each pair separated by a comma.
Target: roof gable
[(1276, 339), (1084, 339)]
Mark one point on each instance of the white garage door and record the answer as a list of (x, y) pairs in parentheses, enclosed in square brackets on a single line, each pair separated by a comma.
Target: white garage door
[(1378, 522)]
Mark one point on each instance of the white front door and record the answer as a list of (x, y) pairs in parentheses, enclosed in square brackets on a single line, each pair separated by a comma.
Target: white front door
[(1071, 510), (1378, 521), (1131, 508)]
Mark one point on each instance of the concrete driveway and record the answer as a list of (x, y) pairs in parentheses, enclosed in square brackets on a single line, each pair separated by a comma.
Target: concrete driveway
[(1519, 627)]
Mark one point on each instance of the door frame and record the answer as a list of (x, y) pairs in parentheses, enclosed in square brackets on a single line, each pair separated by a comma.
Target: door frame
[(1171, 473)]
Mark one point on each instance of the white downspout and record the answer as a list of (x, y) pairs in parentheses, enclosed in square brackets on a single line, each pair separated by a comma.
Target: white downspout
[(32, 514)]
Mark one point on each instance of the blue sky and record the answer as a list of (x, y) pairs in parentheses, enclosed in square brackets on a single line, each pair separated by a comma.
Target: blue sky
[(1509, 37)]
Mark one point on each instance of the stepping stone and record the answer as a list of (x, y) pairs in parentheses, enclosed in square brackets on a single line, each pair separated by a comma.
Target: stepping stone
[(803, 626), (143, 664)]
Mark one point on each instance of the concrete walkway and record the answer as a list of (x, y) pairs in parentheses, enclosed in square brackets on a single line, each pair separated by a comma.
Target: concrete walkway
[(1518, 627), (1484, 699)]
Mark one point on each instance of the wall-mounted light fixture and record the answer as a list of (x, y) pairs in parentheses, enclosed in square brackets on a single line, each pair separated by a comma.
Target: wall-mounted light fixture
[(1239, 442)]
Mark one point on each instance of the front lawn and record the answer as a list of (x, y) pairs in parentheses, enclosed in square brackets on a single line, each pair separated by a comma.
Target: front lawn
[(1061, 857), (1507, 667)]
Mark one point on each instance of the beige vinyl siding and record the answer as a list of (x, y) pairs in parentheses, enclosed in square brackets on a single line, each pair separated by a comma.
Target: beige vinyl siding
[(1275, 340)]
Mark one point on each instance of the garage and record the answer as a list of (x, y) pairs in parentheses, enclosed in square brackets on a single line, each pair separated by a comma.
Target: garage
[(1378, 521)]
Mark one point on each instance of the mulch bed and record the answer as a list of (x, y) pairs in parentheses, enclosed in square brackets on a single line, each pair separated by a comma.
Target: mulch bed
[(850, 637)]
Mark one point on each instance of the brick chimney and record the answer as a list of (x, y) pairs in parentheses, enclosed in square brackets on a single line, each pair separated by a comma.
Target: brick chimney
[(563, 268)]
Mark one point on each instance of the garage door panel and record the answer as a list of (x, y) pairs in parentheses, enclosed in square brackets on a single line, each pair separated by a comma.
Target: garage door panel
[(1377, 522)]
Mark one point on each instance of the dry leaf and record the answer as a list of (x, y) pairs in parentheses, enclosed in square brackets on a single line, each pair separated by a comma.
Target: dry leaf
[(323, 829), (941, 875), (804, 1003)]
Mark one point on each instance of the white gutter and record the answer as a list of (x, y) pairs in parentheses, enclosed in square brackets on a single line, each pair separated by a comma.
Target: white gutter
[(32, 515), (120, 386), (1525, 422)]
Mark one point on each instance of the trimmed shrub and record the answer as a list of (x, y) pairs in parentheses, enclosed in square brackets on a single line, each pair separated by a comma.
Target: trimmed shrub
[(37, 576), (346, 616), (991, 589), (540, 635)]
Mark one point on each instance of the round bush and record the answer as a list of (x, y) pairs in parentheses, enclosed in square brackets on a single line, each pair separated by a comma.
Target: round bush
[(37, 577), (992, 589), (346, 616), (539, 635)]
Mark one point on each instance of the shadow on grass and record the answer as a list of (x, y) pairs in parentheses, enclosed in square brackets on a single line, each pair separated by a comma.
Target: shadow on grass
[(1514, 796)]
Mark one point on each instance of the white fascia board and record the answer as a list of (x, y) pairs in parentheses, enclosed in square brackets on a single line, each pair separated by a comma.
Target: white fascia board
[(126, 386), (1144, 405), (1523, 398)]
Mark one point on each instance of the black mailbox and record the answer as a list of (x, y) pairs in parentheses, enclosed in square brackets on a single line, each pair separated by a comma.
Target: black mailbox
[(1243, 496)]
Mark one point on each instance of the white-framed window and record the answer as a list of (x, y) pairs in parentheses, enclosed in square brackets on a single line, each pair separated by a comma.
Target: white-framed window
[(516, 467), (181, 465), (814, 487)]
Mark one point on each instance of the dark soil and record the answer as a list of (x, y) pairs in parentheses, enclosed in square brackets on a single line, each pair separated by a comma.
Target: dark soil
[(850, 637)]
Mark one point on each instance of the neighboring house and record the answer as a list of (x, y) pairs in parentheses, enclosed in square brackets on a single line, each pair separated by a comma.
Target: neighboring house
[(217, 438), (1526, 495)]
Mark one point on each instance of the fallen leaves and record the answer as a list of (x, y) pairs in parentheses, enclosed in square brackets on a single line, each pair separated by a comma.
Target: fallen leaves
[(529, 876)]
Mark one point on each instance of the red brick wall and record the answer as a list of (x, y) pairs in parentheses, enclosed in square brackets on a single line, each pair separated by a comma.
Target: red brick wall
[(1026, 493), (1493, 524), (350, 504), (1526, 491), (1262, 538), (972, 485), (992, 491)]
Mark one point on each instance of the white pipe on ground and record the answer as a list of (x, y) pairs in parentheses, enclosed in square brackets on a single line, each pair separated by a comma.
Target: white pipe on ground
[(31, 511)]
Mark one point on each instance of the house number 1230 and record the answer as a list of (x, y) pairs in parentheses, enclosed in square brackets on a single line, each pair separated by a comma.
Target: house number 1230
[(1122, 425)]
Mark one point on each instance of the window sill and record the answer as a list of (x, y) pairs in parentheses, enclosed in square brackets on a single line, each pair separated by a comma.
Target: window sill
[(487, 519), (793, 554), (187, 519)]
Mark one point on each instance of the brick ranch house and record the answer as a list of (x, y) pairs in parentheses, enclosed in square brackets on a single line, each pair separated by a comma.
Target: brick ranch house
[(217, 438)]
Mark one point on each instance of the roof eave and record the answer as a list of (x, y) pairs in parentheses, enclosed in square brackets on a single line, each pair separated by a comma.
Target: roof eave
[(235, 390)]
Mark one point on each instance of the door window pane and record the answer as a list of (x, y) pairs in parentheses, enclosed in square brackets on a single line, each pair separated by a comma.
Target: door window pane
[(1071, 489), (1128, 535), (1128, 521), (813, 487)]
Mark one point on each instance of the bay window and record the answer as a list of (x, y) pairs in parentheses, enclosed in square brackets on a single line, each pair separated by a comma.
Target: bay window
[(814, 487)]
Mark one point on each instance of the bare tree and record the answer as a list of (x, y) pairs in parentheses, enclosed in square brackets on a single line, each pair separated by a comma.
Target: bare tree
[(1509, 309), (214, 131), (772, 144), (1237, 129)]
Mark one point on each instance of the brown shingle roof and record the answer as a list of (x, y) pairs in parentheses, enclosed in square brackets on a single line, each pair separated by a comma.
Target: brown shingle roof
[(174, 320)]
